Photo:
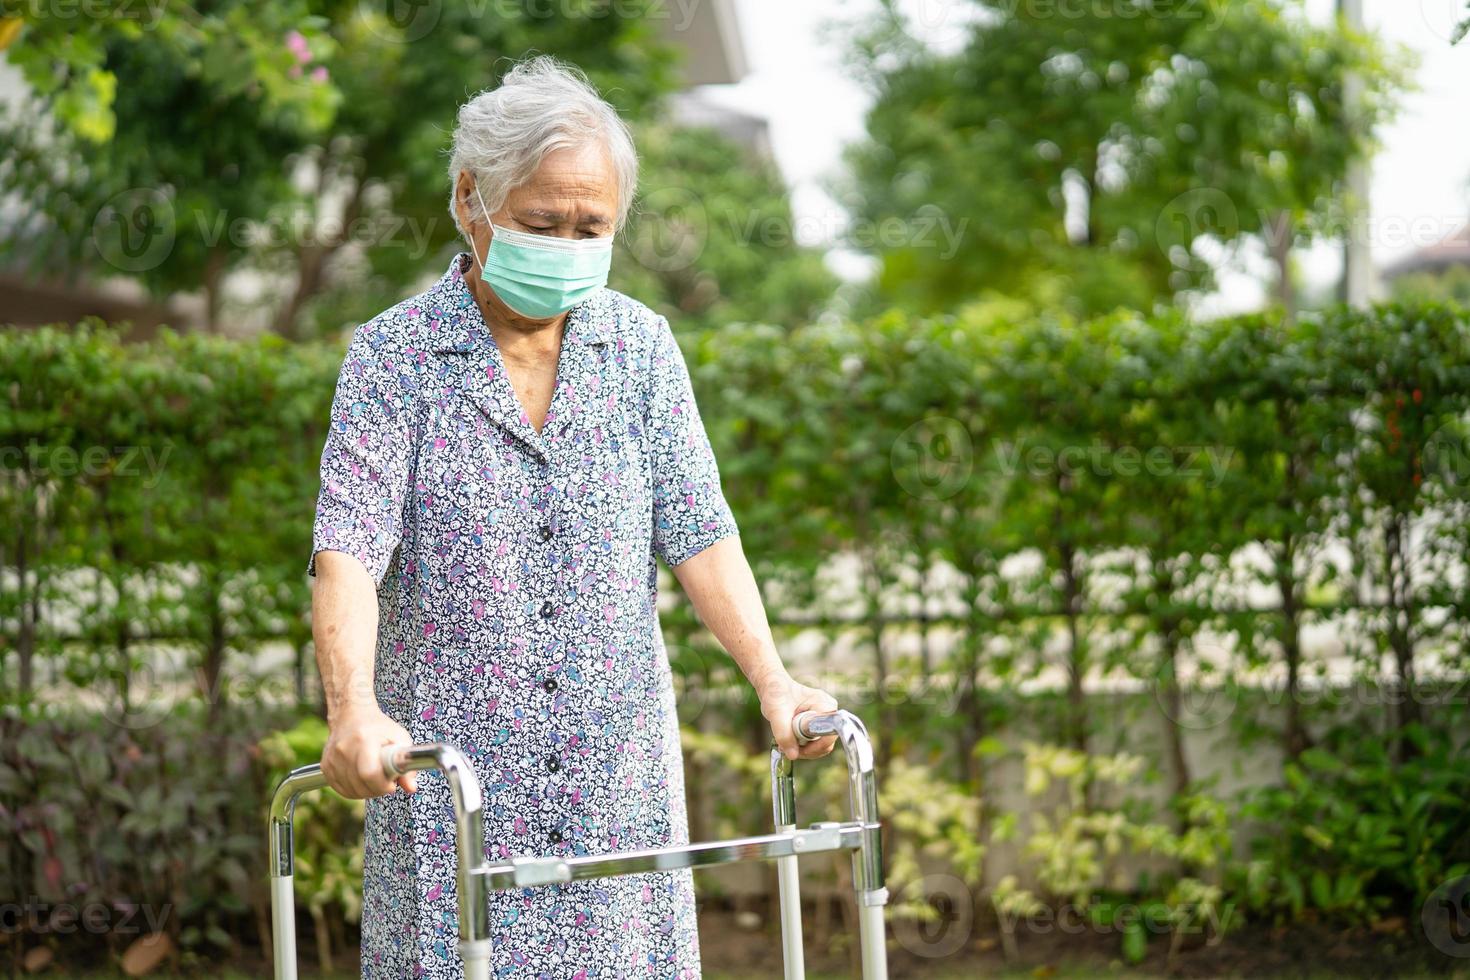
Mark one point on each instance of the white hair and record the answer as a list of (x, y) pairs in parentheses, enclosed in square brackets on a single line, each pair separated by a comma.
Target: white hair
[(541, 105)]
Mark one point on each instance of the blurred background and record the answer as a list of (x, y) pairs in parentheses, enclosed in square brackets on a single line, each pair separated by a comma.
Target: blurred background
[(1090, 380)]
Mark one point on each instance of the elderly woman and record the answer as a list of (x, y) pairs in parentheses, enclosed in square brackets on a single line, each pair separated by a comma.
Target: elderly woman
[(509, 451)]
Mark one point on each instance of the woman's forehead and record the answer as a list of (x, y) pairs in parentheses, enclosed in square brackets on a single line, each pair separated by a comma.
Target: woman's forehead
[(584, 175)]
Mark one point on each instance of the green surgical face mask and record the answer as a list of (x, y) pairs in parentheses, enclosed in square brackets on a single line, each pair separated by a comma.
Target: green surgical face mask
[(540, 276)]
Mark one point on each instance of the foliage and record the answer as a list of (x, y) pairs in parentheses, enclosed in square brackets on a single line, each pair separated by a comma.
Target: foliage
[(1451, 286), (711, 239), (930, 823), (302, 142), (150, 827), (1354, 836), (967, 512), (323, 171), (148, 496), (1084, 158), (1073, 848)]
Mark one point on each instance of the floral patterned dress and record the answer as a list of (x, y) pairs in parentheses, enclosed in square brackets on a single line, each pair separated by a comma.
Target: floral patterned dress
[(517, 593)]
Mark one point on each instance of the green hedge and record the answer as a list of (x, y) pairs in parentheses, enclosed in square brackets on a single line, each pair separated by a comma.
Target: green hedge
[(163, 491), (1103, 495)]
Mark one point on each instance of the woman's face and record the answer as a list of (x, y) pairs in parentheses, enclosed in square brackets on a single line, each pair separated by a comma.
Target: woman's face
[(573, 194)]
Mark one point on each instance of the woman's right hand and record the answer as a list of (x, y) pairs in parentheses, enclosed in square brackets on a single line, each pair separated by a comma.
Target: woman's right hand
[(353, 758)]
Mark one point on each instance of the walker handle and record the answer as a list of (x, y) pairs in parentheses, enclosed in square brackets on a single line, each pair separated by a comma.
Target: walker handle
[(391, 755), (809, 726)]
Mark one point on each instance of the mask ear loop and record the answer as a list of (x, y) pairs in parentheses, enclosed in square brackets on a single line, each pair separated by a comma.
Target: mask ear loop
[(488, 221)]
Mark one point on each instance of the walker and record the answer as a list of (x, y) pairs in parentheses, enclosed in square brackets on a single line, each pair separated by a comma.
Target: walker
[(476, 876)]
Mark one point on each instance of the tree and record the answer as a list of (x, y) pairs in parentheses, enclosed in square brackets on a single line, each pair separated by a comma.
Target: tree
[(711, 239), (1088, 151), (147, 134), (227, 136)]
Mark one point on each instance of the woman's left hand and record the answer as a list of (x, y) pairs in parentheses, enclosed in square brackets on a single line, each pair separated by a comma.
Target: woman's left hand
[(782, 699)]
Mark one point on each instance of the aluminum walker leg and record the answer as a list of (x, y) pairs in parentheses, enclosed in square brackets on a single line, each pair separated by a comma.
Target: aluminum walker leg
[(788, 878), (464, 787), (867, 860)]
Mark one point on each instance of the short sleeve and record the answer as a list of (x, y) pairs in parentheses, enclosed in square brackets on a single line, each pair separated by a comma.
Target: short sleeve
[(367, 460), (690, 512)]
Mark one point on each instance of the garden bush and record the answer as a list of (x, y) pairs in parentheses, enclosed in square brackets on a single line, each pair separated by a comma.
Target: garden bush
[(982, 521)]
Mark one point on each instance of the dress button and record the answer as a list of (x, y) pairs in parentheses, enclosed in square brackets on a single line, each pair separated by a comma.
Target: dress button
[(545, 532), (549, 684), (546, 609), (552, 764), (555, 836)]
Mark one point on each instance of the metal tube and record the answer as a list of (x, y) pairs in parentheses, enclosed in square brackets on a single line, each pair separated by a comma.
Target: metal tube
[(464, 788), (469, 824), (788, 869), (872, 941), (283, 861), (476, 877), (531, 872), (867, 861), (283, 927)]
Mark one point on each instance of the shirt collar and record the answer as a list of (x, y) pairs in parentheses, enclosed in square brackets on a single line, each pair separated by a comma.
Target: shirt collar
[(456, 324)]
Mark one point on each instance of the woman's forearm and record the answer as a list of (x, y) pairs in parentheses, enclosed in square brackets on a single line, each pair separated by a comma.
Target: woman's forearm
[(723, 589), (344, 623)]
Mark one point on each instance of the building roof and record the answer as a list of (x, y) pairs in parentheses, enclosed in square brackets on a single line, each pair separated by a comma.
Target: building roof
[(1453, 250), (709, 34)]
